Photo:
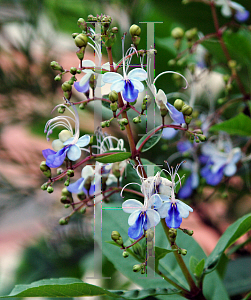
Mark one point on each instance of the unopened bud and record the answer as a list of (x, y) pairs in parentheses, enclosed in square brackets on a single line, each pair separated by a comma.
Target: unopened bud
[(198, 131), (119, 241), (187, 110), (50, 189), (172, 233), (123, 121), (188, 232), (82, 24), (114, 29), (122, 127), (80, 53), (191, 33), (135, 30), (177, 33), (182, 251), (188, 119), (67, 182), (125, 254), (137, 268), (64, 200), (70, 173), (178, 104), (66, 86), (44, 167), (137, 120), (171, 62), (58, 77), (136, 40), (44, 186), (81, 40), (73, 70), (202, 137), (65, 192), (115, 235), (67, 205), (232, 64), (56, 66), (114, 106), (113, 96), (63, 221)]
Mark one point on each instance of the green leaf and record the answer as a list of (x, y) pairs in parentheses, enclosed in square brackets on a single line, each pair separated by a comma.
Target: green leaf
[(161, 253), (238, 277), (199, 268), (193, 262), (61, 287), (233, 232), (239, 125), (104, 103), (153, 140), (113, 157)]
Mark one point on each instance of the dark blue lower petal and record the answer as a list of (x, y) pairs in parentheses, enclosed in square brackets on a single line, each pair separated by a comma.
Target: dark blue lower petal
[(136, 231), (75, 187), (177, 116), (204, 159), (56, 160), (186, 190), (130, 94), (48, 152), (184, 146), (212, 178), (242, 16), (82, 88), (173, 219)]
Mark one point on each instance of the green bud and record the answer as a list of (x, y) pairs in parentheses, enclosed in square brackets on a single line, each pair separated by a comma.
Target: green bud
[(80, 53), (147, 100), (113, 96), (125, 254), (178, 104), (232, 64), (43, 166), (66, 86), (50, 189), (67, 182), (73, 70), (107, 123), (74, 35), (221, 100), (135, 30), (119, 241), (182, 251), (198, 131), (82, 105), (63, 221), (136, 40), (202, 137), (191, 138), (83, 210), (191, 33), (123, 121), (143, 107), (226, 78), (81, 40), (143, 271), (149, 235), (137, 268), (188, 119), (72, 80), (115, 235), (172, 233), (187, 110), (56, 66), (197, 141), (82, 24), (122, 127), (81, 196), (177, 33), (61, 109), (58, 77), (44, 186), (64, 200), (137, 120), (70, 173), (103, 124), (114, 106), (188, 232), (114, 29), (47, 173), (163, 112), (65, 192), (67, 95), (149, 245), (66, 205), (171, 62)]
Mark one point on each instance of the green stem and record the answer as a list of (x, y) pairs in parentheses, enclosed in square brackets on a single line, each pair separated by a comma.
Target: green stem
[(180, 261)]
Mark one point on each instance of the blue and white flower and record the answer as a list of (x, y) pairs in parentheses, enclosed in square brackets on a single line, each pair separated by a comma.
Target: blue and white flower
[(172, 209), (192, 181), (130, 83), (221, 160), (69, 143), (227, 6)]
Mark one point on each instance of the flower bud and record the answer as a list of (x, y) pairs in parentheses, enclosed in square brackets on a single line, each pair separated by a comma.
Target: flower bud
[(70, 173), (115, 235), (82, 24), (119, 241), (137, 120), (50, 189), (80, 53), (135, 30), (81, 40), (67, 182), (171, 62), (82, 105), (44, 167), (125, 254), (114, 29), (66, 205), (136, 40), (58, 77), (232, 64), (114, 106), (163, 112), (187, 110), (47, 173), (147, 100), (66, 86), (177, 33), (191, 33), (81, 196), (182, 251), (172, 233), (103, 124), (61, 109), (143, 271), (56, 66), (123, 121), (64, 200), (188, 119), (178, 104), (122, 127), (65, 192), (73, 70), (63, 221), (149, 235), (137, 268), (188, 232), (202, 137), (107, 123), (198, 131), (113, 96), (143, 107), (44, 186)]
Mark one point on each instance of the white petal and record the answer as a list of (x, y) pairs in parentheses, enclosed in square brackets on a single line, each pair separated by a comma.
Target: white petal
[(183, 208), (237, 6), (230, 169), (133, 217), (138, 74), (74, 153), (153, 218), (87, 171), (106, 66), (155, 201), (163, 210), (226, 11), (88, 63), (160, 98), (83, 140), (195, 180), (69, 141), (118, 86), (137, 85), (236, 155), (57, 145), (130, 205), (111, 77), (85, 78)]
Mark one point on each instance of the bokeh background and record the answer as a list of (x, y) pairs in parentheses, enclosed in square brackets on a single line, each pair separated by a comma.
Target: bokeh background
[(32, 34)]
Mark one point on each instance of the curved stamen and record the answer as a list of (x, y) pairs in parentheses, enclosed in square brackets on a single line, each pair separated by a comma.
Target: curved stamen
[(172, 72), (126, 186)]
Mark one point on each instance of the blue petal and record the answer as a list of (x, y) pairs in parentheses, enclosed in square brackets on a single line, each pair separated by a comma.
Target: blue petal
[(129, 93), (184, 146), (242, 16), (169, 133), (173, 219), (48, 152), (186, 190), (136, 231), (82, 88), (83, 140), (56, 160), (203, 159), (74, 152), (177, 116), (212, 178), (76, 187)]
